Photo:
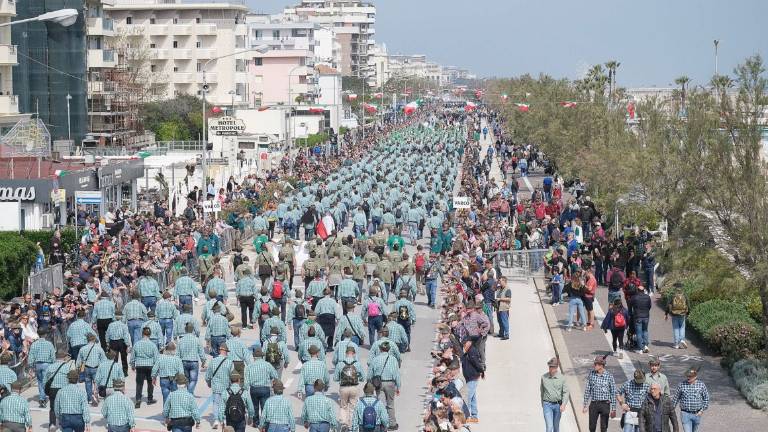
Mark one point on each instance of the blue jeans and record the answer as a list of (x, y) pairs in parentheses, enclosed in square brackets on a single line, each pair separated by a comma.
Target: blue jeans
[(191, 369), (278, 428), (431, 291), (150, 302), (123, 428), (40, 375), (374, 325), (216, 341), (472, 397), (216, 406), (134, 329), (573, 304), (413, 229), (166, 387), (649, 281), (359, 230), (181, 429), (641, 332), (167, 326), (690, 421), (89, 377), (503, 318), (297, 323), (71, 423), (678, 328), (557, 289), (184, 300), (319, 427), (259, 396), (630, 428), (551, 416)]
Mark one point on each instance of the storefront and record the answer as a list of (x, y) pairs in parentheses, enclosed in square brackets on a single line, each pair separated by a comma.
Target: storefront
[(25, 204), (118, 183)]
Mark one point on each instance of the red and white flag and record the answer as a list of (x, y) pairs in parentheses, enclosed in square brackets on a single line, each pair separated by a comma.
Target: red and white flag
[(378, 95), (567, 104), (352, 96), (316, 110), (370, 109), (523, 107), (322, 232), (410, 108), (470, 106)]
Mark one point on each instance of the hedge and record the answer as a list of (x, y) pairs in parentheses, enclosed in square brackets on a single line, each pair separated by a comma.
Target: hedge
[(17, 256), (68, 239), (751, 377), (735, 340), (707, 315)]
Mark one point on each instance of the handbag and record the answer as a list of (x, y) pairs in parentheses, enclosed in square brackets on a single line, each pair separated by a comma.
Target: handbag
[(82, 366), (214, 373), (103, 388), (376, 379), (264, 269), (48, 383)]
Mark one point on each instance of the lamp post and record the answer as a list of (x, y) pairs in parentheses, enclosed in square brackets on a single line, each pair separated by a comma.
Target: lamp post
[(717, 42), (289, 130), (69, 118), (63, 17), (232, 94)]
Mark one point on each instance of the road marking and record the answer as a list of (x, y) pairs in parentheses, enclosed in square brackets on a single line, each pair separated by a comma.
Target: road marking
[(626, 361), (528, 184), (205, 404)]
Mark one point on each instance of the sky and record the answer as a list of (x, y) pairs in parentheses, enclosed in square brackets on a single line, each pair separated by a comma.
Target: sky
[(656, 41)]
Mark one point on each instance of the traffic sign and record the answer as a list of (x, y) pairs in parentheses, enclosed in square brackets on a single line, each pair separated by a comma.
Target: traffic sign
[(462, 202), (211, 206)]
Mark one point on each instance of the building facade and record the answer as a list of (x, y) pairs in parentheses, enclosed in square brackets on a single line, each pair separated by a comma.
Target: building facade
[(9, 101), (189, 44)]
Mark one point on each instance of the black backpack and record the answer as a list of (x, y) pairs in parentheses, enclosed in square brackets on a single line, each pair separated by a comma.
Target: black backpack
[(235, 408), (399, 213), (616, 281), (237, 260), (300, 312)]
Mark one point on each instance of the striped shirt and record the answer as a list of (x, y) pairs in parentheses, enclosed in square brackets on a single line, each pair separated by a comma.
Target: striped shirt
[(71, 399), (397, 332), (91, 355), (218, 326), (326, 305), (341, 350), (246, 395), (275, 321), (303, 350), (190, 349), (156, 332), (376, 349), (691, 397), (41, 351), (348, 288), (319, 333), (220, 382), (105, 377), (166, 310), (385, 366), (634, 394), (352, 322), (118, 330), (181, 324), (118, 410), (259, 373), (167, 366), (104, 309), (78, 332), (218, 285), (15, 409), (7, 377), (144, 353), (364, 310), (246, 287), (181, 404), (316, 288), (185, 286), (134, 310), (60, 368), (319, 409), (148, 287), (277, 410), (382, 419), (600, 387), (238, 351), (313, 370)]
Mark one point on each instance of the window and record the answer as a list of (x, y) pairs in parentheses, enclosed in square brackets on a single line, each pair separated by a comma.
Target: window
[(199, 67), (129, 20), (198, 20), (257, 34), (175, 68), (275, 34), (175, 44), (198, 44), (240, 89), (302, 61), (153, 68), (175, 20), (258, 61), (152, 45), (152, 20), (258, 79)]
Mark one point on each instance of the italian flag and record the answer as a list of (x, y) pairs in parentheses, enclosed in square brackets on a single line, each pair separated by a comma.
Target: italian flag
[(378, 95), (410, 108), (370, 109), (470, 106), (568, 104), (523, 107), (352, 96), (316, 110), (504, 97)]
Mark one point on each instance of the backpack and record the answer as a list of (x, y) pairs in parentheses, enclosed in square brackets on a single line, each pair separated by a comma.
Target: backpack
[(277, 290), (616, 281), (619, 322), (300, 312), (273, 355), (399, 213), (420, 261), (403, 314), (679, 304), (370, 419), (235, 408), (311, 268), (349, 375), (373, 309), (237, 260), (264, 308)]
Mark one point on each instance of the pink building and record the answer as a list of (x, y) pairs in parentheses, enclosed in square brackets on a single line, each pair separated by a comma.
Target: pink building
[(279, 76)]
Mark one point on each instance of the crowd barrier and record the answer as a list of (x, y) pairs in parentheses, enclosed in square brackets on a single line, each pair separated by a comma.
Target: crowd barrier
[(519, 264), (44, 281)]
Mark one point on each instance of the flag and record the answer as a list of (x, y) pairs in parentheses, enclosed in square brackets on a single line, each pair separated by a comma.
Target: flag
[(523, 107), (316, 110), (470, 106), (216, 110), (370, 109), (631, 110), (378, 95), (410, 108), (352, 96), (263, 108), (504, 97), (321, 230), (567, 104)]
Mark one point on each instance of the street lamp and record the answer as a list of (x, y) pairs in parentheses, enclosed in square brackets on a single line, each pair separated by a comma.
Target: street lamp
[(69, 118), (63, 17), (232, 94)]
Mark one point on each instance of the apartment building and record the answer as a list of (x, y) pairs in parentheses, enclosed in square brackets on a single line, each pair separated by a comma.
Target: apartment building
[(189, 42), (353, 23), (9, 102), (380, 61)]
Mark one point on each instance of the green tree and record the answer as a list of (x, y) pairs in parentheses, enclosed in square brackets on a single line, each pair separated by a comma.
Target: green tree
[(184, 110), (682, 81), (172, 130)]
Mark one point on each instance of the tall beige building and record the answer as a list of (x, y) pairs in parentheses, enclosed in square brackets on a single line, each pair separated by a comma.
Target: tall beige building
[(9, 102)]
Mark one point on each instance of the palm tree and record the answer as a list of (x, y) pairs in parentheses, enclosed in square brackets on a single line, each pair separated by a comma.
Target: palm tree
[(612, 65), (597, 80), (721, 83), (682, 81)]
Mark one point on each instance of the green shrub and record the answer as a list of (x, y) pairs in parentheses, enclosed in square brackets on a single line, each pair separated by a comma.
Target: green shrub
[(68, 239), (755, 307), (735, 340), (758, 397), (17, 256), (751, 377), (707, 315)]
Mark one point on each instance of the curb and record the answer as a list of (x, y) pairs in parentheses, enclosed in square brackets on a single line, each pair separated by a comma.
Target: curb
[(575, 390)]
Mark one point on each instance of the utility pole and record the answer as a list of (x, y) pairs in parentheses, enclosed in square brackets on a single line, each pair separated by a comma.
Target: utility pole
[(717, 42)]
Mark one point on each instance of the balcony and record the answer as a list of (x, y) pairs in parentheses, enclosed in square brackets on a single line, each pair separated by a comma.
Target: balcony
[(157, 29), (8, 55), (181, 54), (184, 78), (205, 53), (205, 29), (160, 54), (210, 77), (180, 29), (9, 104), (7, 7), (101, 58), (100, 26)]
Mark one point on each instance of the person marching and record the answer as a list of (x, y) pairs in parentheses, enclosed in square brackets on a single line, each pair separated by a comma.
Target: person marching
[(348, 290), (406, 315), (14, 410), (143, 358), (297, 313), (350, 322), (236, 403), (246, 295), (631, 396), (259, 376), (217, 378), (319, 413), (396, 331), (238, 352), (385, 372), (104, 313), (168, 365), (325, 309), (276, 352), (349, 374), (119, 340), (369, 413), (107, 373), (599, 395), (117, 410), (554, 395), (192, 356), (218, 330), (166, 315), (41, 355), (55, 379), (373, 311), (180, 410), (88, 361), (278, 414), (693, 397), (71, 405), (313, 370)]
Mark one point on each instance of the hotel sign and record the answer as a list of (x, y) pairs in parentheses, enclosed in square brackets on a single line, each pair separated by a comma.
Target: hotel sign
[(17, 194), (226, 126)]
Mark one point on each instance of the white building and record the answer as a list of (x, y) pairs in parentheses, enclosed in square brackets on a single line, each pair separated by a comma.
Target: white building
[(190, 42), (329, 94), (380, 61), (9, 103), (353, 23)]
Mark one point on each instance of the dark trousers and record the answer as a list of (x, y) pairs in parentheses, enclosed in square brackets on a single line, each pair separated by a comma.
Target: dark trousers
[(72, 423), (246, 309), (259, 396), (601, 409), (328, 324), (51, 414), (239, 426), (121, 349), (101, 329), (618, 338), (407, 326), (144, 373)]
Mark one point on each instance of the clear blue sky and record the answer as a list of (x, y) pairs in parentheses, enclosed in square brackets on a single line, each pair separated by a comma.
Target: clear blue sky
[(655, 40)]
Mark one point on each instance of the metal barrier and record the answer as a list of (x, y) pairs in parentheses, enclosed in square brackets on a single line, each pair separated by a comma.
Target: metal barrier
[(43, 282), (519, 264)]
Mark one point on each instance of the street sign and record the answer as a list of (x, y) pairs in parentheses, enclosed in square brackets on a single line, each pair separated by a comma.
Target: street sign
[(211, 206), (226, 126), (88, 197), (462, 202), (58, 196)]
